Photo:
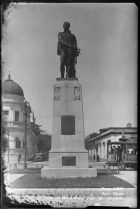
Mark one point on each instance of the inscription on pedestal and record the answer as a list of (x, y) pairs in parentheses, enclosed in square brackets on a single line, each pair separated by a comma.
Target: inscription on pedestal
[(68, 125), (69, 161)]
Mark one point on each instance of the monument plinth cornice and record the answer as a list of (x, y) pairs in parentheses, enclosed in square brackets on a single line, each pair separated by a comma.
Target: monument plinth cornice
[(66, 79)]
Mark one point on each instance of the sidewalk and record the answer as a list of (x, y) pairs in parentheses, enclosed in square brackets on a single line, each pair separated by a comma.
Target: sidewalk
[(33, 178), (30, 164), (129, 176), (10, 178)]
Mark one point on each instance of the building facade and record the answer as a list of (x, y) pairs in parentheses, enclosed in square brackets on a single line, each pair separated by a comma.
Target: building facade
[(98, 144), (18, 123)]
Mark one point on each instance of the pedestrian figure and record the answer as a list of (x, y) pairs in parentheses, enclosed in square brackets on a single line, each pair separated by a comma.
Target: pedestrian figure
[(19, 157), (98, 158), (120, 153), (117, 154)]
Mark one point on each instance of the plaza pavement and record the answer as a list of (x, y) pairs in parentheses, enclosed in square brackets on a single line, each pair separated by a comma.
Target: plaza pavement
[(10, 178), (129, 176), (30, 164)]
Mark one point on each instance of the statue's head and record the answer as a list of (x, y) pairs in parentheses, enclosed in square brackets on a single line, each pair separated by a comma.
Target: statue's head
[(66, 25)]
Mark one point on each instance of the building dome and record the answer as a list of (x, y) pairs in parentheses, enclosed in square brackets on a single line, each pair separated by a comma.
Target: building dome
[(11, 87)]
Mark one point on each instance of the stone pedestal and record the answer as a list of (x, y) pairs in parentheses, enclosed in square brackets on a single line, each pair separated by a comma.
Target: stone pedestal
[(68, 156)]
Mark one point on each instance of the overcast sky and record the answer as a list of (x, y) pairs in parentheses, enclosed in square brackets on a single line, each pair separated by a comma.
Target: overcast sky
[(107, 66)]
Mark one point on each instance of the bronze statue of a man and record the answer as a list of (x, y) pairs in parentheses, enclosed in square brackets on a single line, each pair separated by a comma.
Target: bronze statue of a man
[(68, 51)]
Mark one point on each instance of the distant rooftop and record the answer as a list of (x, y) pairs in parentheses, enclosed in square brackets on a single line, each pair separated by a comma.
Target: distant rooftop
[(114, 130)]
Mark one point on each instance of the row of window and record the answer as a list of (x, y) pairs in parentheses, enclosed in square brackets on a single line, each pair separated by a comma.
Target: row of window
[(6, 114)]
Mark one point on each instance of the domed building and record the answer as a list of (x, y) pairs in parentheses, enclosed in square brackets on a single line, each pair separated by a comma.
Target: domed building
[(19, 124)]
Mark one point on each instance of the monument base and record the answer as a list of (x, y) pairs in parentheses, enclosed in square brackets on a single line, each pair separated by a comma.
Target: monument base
[(68, 172), (68, 157)]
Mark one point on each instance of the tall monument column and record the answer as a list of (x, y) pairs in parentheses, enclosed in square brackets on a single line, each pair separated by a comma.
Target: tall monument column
[(68, 156)]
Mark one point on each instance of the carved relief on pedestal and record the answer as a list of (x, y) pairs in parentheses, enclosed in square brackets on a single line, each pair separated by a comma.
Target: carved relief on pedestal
[(77, 93), (57, 93)]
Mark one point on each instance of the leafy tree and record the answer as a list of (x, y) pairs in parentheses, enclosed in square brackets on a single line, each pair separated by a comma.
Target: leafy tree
[(89, 145), (44, 143), (93, 135)]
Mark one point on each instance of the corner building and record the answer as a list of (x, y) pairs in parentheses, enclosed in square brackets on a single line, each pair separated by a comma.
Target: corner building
[(98, 144)]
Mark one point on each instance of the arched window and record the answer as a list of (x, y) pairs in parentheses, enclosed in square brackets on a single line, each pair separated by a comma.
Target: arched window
[(18, 143)]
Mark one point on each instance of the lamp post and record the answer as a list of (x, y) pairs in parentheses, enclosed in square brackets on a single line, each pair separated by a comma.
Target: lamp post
[(25, 134), (110, 114), (8, 143), (8, 146)]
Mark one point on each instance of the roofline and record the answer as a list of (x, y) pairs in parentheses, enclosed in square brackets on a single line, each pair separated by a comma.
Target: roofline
[(117, 128), (108, 132)]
